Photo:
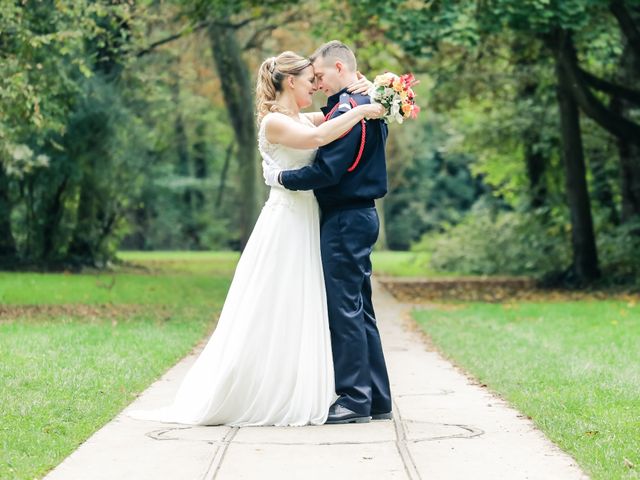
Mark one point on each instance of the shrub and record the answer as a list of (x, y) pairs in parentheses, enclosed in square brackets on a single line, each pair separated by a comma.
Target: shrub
[(619, 252), (505, 243)]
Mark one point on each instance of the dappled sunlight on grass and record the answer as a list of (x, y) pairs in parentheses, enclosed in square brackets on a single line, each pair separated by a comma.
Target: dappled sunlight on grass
[(214, 263), (77, 348), (574, 367), (403, 264)]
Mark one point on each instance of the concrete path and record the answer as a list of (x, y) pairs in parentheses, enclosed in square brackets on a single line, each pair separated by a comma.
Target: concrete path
[(446, 427)]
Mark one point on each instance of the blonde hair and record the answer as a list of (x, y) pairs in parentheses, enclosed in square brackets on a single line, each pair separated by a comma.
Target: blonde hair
[(336, 50), (271, 76)]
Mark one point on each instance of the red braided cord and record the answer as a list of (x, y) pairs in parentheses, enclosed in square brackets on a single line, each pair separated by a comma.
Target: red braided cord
[(362, 135)]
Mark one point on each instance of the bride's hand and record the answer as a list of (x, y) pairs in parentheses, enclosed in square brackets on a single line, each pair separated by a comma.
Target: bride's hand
[(372, 110), (362, 85)]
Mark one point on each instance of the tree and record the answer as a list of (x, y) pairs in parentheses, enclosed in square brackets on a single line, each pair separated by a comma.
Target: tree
[(37, 85), (585, 258), (224, 22), (425, 30), (71, 166)]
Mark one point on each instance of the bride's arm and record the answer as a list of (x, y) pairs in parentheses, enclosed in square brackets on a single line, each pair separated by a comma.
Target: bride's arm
[(317, 118), (286, 131)]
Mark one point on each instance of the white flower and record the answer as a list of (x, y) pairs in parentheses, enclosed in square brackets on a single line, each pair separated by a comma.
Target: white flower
[(42, 160), (395, 108), (21, 152), (22, 161)]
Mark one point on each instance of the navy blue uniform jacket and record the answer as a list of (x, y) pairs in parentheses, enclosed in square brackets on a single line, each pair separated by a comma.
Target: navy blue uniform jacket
[(333, 185)]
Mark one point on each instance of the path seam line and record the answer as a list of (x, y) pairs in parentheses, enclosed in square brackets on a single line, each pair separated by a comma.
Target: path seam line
[(401, 445), (216, 462)]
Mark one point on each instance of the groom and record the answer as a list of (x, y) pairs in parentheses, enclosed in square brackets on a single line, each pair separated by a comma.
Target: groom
[(347, 175)]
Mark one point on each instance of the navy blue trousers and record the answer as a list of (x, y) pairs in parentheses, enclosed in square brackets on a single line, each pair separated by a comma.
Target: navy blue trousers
[(347, 238)]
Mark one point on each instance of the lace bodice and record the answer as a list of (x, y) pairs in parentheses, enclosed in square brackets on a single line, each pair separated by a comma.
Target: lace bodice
[(284, 157)]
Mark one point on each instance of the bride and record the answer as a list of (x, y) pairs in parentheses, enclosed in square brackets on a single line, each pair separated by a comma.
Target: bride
[(269, 359)]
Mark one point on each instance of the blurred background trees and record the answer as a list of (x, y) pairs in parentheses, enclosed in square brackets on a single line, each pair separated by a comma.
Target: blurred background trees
[(130, 125)]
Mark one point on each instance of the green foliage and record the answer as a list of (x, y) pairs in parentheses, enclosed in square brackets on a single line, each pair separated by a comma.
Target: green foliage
[(493, 74), (73, 205), (43, 52), (59, 76), (417, 28), (490, 243), (619, 250), (105, 141), (177, 207), (539, 16), (101, 158), (435, 189)]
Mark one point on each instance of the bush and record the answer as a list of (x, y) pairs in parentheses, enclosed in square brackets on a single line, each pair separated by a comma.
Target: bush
[(619, 252), (510, 243)]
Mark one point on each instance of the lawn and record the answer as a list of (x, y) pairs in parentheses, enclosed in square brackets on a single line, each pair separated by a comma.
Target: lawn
[(574, 367), (76, 349), (402, 264)]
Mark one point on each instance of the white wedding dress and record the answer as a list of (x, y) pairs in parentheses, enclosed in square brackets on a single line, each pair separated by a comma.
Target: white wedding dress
[(269, 359)]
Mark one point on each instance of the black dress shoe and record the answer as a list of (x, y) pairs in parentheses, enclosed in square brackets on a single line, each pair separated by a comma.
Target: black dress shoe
[(382, 416), (339, 414)]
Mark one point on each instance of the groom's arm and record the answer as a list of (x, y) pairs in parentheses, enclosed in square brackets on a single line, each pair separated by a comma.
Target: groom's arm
[(331, 163)]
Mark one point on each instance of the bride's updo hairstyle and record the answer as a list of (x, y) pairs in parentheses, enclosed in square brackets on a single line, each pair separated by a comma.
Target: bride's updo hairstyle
[(271, 76)]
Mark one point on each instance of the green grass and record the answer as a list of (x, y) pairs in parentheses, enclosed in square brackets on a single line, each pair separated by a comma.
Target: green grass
[(574, 367), (63, 375), (403, 264), (170, 278), (216, 263)]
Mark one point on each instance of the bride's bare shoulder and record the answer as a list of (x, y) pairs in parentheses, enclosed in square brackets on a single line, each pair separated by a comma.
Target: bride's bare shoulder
[(278, 123), (273, 121)]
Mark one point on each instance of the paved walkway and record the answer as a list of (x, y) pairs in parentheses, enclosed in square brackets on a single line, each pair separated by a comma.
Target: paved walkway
[(445, 427)]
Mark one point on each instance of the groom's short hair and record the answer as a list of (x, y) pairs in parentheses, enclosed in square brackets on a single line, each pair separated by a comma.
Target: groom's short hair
[(336, 50)]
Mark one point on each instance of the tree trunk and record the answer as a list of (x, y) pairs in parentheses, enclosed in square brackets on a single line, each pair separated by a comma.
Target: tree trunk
[(535, 160), (629, 154), (8, 251), (577, 83), (223, 175), (238, 97), (52, 218), (200, 170), (585, 257), (189, 229), (536, 164), (81, 249), (182, 143)]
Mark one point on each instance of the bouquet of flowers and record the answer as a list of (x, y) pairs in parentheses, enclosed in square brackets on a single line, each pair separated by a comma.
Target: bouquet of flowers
[(394, 92)]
